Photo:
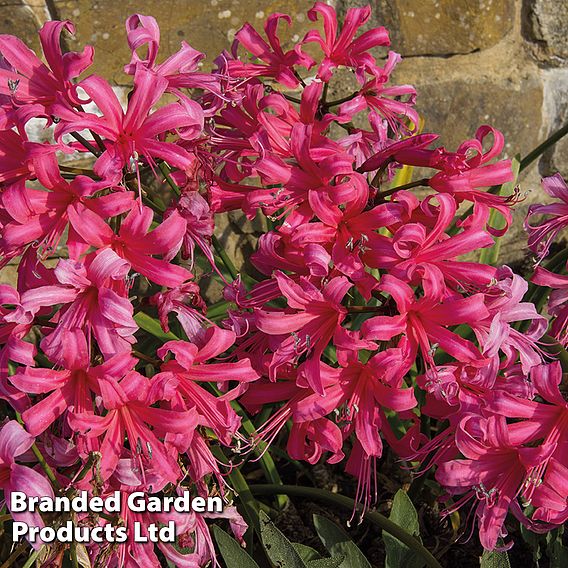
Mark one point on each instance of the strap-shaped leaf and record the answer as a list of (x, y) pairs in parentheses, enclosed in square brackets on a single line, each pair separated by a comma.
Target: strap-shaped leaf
[(337, 542), (490, 255), (153, 327), (334, 562), (403, 514), (492, 559), (306, 553), (278, 548), (232, 552)]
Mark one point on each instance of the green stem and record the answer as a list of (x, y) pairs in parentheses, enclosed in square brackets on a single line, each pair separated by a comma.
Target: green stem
[(39, 456), (364, 309), (266, 462), (417, 183), (165, 169), (15, 555), (553, 347), (32, 558), (292, 99), (224, 257), (346, 503), (82, 140), (341, 100), (541, 149)]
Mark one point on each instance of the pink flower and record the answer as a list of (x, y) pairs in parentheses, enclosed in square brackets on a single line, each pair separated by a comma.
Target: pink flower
[(15, 441), (496, 334), (13, 347), (424, 252), (276, 63), (189, 308), (493, 470), (193, 207), (134, 134), (30, 81), (321, 179), (135, 244), (393, 103), (425, 322), (94, 298), (313, 318), (130, 413), (544, 422), (42, 217), (189, 369), (71, 388), (557, 301), (543, 234), (342, 49)]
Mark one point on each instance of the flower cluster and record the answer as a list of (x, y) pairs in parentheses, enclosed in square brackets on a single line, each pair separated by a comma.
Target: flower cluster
[(361, 325)]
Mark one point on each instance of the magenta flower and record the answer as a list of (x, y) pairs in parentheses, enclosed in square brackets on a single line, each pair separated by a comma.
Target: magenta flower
[(189, 369), (557, 301), (493, 471), (342, 49), (134, 134), (312, 320), (130, 414), (393, 103), (321, 179), (94, 298), (550, 497), (135, 244), (31, 81), (42, 217), (425, 322), (16, 165), (544, 422), (275, 62), (424, 252), (543, 234), (15, 441), (193, 207), (179, 69), (13, 347), (72, 388), (496, 334)]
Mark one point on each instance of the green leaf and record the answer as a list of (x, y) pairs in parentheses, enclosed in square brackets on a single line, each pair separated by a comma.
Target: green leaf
[(493, 559), (306, 553), (403, 514), (153, 327), (533, 541), (232, 552), (337, 542), (278, 548), (490, 255), (556, 551), (326, 562)]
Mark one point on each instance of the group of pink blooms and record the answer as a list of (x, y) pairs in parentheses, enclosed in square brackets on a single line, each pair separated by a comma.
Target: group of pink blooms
[(362, 288)]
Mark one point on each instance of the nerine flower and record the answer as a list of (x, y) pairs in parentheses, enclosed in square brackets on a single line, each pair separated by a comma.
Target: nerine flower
[(136, 133), (132, 416), (15, 441), (541, 235), (30, 81), (313, 318)]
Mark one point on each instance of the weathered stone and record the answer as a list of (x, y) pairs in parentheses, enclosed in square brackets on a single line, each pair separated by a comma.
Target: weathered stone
[(544, 24), (23, 19), (207, 25), (442, 27), (458, 94)]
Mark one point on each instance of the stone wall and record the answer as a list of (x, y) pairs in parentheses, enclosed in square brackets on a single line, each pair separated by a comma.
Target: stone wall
[(503, 62)]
